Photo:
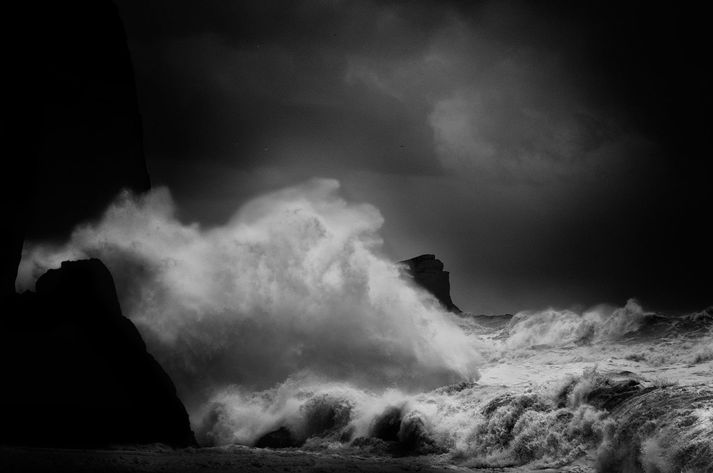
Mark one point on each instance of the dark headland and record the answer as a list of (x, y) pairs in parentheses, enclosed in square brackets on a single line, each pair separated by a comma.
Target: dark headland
[(75, 371)]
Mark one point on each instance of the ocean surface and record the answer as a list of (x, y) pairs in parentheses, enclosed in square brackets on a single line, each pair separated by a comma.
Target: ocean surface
[(287, 327), (608, 389)]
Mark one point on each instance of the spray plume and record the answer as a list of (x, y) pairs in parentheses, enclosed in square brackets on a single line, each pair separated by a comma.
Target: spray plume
[(292, 287)]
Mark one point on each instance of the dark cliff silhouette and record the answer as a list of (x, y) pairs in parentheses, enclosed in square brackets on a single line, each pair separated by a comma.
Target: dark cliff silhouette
[(74, 370), (72, 131), (428, 272)]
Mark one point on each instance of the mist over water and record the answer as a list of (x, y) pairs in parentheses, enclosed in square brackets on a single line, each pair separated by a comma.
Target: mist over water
[(293, 286)]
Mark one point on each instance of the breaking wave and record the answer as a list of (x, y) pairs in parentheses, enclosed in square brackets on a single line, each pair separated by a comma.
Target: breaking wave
[(665, 429), (600, 324), (286, 327), (467, 420), (293, 284), (630, 424)]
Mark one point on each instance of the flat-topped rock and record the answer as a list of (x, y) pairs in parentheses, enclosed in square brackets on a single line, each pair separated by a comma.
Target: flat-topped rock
[(427, 271)]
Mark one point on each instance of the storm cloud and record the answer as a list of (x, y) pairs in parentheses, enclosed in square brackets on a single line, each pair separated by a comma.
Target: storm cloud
[(550, 154)]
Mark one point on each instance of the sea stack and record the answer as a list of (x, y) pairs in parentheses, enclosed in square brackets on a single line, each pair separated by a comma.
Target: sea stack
[(427, 271)]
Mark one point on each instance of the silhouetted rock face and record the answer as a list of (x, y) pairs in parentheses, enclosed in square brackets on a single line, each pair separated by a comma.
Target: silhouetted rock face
[(428, 272), (76, 371), (73, 369), (71, 130), (90, 139)]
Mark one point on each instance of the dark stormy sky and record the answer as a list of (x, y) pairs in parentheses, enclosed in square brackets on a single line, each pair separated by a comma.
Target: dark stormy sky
[(550, 153)]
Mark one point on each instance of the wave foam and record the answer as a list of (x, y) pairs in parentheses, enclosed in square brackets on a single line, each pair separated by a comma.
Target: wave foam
[(294, 283)]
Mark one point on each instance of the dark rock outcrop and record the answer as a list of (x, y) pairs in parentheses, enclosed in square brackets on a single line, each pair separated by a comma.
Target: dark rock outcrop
[(76, 371), (72, 132), (428, 272)]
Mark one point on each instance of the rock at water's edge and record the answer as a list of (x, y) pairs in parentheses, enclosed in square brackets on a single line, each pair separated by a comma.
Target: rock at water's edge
[(76, 371), (428, 272)]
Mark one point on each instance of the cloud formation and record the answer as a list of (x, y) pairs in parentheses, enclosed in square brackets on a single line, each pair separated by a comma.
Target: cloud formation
[(534, 148)]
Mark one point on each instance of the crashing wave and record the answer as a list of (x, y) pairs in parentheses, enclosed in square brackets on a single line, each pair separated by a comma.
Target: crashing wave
[(661, 430), (603, 323), (626, 420), (285, 327)]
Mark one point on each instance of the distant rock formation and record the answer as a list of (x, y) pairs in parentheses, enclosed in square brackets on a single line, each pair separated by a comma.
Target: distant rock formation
[(428, 272), (76, 371)]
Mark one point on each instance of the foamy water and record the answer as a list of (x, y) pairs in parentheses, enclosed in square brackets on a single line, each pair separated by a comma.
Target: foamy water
[(288, 324)]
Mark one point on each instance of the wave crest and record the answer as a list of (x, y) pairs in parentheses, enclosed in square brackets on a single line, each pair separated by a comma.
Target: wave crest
[(293, 283)]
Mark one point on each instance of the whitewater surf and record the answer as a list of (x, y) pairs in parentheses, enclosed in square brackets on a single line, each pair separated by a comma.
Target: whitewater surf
[(287, 327)]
